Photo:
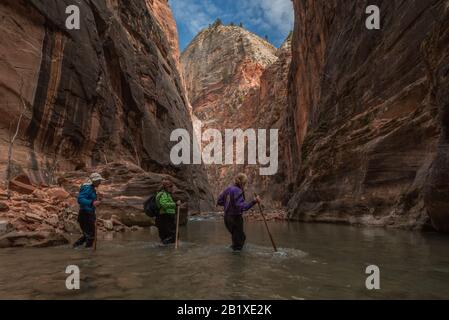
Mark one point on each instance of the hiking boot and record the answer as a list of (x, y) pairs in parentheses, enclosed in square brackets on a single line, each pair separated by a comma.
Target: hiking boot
[(168, 241), (77, 244), (89, 244)]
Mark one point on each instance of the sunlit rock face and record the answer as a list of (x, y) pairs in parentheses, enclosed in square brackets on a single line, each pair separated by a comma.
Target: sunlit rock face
[(109, 92), (367, 117), (235, 79)]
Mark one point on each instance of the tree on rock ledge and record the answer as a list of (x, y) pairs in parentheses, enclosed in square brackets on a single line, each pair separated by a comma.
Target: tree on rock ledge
[(217, 23)]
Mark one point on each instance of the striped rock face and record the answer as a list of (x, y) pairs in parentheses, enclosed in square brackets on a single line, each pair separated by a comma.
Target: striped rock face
[(369, 114), (109, 92)]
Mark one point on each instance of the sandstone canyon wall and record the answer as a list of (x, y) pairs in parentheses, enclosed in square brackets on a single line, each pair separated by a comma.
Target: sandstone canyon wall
[(235, 79), (110, 92), (368, 114)]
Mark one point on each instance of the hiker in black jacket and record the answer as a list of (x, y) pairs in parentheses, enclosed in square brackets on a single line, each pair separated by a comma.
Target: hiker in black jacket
[(166, 220)]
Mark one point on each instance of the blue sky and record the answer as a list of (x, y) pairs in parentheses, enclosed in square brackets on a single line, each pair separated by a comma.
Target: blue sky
[(273, 18)]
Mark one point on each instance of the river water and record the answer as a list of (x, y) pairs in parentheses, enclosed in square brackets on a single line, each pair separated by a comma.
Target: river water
[(315, 261)]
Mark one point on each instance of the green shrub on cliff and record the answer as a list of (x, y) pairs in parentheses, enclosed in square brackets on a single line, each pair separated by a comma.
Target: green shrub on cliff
[(217, 23)]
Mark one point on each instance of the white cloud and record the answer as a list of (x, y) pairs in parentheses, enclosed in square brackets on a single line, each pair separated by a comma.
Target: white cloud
[(279, 13), (195, 15)]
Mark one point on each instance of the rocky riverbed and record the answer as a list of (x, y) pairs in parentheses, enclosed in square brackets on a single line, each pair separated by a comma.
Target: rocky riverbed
[(47, 217)]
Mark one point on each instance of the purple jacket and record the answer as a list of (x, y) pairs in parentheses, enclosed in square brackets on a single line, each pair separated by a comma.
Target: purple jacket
[(233, 201)]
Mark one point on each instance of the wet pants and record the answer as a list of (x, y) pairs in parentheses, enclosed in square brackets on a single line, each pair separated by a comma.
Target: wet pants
[(167, 228), (234, 224), (87, 224)]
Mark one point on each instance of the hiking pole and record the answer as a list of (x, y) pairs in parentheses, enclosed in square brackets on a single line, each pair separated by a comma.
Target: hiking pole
[(96, 227), (177, 226), (266, 225), (96, 234)]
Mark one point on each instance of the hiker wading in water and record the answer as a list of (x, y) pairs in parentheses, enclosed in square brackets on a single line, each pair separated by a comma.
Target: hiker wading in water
[(87, 200), (165, 221), (233, 201)]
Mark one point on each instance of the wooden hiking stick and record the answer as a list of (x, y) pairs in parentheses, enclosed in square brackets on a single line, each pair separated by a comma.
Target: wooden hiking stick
[(96, 226), (266, 225), (177, 226)]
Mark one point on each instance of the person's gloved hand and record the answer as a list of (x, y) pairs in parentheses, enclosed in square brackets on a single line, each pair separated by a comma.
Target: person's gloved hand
[(258, 200), (96, 203)]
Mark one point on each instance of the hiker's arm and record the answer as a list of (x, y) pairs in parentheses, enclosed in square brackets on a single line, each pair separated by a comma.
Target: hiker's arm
[(221, 199), (240, 203), (84, 200), (166, 203)]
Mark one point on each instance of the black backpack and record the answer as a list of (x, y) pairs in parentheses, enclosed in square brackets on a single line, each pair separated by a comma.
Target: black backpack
[(150, 206)]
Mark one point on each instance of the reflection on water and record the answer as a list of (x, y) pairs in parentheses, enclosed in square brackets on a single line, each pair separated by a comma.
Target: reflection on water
[(315, 262)]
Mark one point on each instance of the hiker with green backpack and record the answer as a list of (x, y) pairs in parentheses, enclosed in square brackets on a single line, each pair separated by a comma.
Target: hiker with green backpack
[(162, 207)]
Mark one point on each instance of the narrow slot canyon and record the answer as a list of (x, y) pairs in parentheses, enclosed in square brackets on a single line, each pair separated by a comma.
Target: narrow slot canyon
[(340, 129)]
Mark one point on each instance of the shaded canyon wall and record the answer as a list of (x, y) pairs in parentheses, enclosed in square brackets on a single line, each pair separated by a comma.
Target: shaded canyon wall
[(367, 118), (109, 92)]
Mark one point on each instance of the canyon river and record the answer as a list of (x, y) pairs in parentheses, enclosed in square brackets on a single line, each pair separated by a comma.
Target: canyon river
[(315, 261)]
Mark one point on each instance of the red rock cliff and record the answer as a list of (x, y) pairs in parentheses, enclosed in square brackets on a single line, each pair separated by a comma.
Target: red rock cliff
[(164, 16), (368, 114), (109, 92), (235, 80)]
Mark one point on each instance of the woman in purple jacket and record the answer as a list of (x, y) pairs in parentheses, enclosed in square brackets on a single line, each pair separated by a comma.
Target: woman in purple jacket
[(233, 201)]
